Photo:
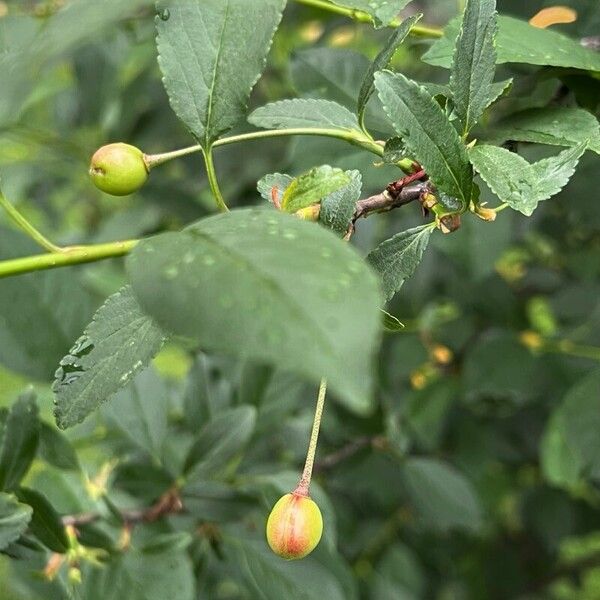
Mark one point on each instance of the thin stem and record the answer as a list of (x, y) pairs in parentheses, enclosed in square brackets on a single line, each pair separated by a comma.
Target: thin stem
[(153, 160), (27, 227), (304, 484), (363, 17), (75, 255), (213, 181)]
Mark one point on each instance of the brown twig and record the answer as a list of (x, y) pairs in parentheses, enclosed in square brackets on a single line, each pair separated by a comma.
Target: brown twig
[(349, 450), (395, 195), (169, 503)]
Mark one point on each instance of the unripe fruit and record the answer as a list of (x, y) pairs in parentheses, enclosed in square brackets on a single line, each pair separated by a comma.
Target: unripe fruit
[(294, 527), (118, 169)]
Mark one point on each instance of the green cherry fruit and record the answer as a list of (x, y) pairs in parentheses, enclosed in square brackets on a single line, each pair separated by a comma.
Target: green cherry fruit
[(294, 527), (118, 169)]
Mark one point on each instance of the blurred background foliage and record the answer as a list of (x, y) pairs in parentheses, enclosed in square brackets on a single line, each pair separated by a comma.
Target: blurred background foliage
[(478, 474)]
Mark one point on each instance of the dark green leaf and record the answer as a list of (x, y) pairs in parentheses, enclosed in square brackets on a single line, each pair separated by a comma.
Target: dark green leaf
[(221, 439), (338, 207), (519, 42), (56, 449), (137, 576), (40, 313), (474, 62), (391, 323), (115, 346), (556, 126), (443, 497), (14, 518), (580, 414), (140, 412), (46, 523), (382, 60), (429, 136), (304, 113), (397, 258), (232, 282), (207, 80), (21, 436), (312, 187), (271, 578)]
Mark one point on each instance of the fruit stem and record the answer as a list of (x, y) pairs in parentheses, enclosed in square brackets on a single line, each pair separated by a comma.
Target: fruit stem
[(352, 137), (304, 484), (27, 227), (213, 181)]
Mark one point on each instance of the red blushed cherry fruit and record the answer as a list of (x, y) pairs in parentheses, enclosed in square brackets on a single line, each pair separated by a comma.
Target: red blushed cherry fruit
[(294, 527)]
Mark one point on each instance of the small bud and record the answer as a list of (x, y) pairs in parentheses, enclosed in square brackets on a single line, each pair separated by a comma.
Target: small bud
[(294, 526), (486, 214), (310, 213), (531, 340), (441, 354), (118, 169), (74, 576)]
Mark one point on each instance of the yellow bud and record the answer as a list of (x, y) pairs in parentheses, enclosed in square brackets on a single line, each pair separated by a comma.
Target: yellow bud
[(294, 527), (486, 214), (310, 213), (118, 169), (531, 340), (441, 354)]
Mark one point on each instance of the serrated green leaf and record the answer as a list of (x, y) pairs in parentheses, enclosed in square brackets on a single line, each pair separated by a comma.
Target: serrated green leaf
[(443, 497), (312, 187), (304, 113), (382, 60), (338, 207), (116, 345), (220, 440), (273, 183), (20, 441), (428, 134), (519, 42), (556, 126), (507, 174), (382, 11), (14, 518), (396, 259), (474, 62), (233, 283), (554, 173), (520, 184), (45, 523), (497, 90), (206, 78)]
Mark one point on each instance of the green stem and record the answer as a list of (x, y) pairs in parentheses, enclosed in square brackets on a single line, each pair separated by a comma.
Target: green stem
[(27, 227), (213, 181), (361, 16), (572, 349), (304, 484), (355, 138), (74, 255)]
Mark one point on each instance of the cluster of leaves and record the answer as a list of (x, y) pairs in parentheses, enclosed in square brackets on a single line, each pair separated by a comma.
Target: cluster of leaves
[(488, 450)]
